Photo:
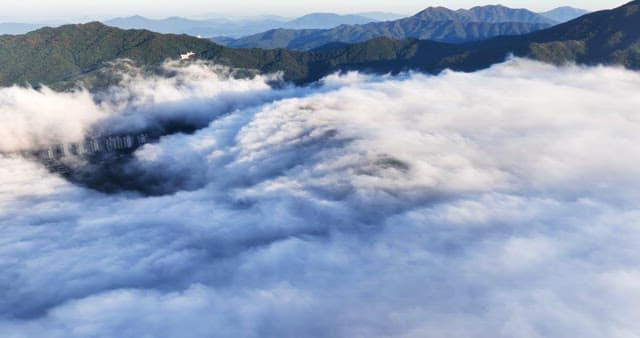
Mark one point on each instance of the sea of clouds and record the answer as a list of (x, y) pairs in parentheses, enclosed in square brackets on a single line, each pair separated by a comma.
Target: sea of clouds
[(501, 203)]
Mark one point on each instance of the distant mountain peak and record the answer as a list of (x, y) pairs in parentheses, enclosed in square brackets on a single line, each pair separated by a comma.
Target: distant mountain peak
[(132, 17), (320, 14), (382, 16), (90, 25), (235, 27), (434, 23), (498, 6), (326, 20), (434, 9), (488, 13), (565, 7), (564, 13)]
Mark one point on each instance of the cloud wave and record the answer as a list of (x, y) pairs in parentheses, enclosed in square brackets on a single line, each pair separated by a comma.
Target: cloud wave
[(497, 203)]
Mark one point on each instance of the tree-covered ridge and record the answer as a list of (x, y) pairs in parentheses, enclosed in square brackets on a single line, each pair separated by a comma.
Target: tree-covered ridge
[(489, 14), (49, 55), (410, 28)]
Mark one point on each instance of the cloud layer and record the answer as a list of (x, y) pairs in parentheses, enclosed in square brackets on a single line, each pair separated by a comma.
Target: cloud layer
[(497, 203)]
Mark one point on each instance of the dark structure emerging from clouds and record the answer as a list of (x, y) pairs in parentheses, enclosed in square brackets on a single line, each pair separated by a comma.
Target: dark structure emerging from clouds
[(90, 146), (67, 159)]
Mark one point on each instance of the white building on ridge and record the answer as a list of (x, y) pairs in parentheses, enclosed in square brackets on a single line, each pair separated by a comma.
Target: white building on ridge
[(187, 56)]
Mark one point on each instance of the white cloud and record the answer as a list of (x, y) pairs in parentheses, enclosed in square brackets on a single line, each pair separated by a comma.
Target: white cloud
[(34, 118), (497, 203)]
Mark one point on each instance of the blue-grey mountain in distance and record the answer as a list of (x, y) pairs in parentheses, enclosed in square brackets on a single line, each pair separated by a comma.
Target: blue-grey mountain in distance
[(211, 25), (326, 20), (564, 14), (382, 16), (217, 25), (489, 14), (17, 27), (434, 23)]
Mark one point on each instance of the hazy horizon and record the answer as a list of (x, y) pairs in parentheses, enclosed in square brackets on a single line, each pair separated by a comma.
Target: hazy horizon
[(77, 11)]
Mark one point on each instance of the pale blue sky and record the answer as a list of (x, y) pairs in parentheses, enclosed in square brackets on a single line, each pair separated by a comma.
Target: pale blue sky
[(40, 9)]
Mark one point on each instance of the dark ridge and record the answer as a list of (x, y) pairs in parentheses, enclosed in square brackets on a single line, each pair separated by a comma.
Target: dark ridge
[(434, 23)]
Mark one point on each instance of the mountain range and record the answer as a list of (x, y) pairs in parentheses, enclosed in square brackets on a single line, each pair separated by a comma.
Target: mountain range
[(213, 27), (564, 13), (55, 56), (326, 20), (489, 14), (433, 23), (220, 25), (381, 16), (17, 27)]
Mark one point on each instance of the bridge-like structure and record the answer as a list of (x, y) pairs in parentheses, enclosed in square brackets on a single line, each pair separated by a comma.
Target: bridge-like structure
[(92, 146), (54, 156)]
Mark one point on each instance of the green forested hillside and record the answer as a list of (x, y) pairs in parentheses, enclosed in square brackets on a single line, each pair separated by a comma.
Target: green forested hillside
[(52, 54)]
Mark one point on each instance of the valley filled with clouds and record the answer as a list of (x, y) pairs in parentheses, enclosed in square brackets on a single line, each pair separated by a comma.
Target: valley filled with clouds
[(500, 203)]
